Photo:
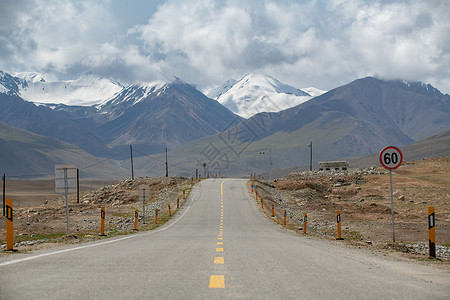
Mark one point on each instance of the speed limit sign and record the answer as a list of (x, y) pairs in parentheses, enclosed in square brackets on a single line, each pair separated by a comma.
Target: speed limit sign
[(391, 157)]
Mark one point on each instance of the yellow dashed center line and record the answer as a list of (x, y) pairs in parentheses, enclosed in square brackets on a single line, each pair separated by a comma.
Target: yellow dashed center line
[(218, 260), (217, 281)]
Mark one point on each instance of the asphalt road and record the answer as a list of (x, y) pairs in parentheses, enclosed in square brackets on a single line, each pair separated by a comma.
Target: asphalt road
[(218, 246)]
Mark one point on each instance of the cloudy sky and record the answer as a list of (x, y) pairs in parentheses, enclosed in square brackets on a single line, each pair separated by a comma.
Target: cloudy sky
[(303, 43)]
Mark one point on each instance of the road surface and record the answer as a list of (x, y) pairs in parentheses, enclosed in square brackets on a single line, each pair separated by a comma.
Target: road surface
[(219, 246)]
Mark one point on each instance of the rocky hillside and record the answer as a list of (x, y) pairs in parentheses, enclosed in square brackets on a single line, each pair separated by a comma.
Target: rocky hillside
[(363, 198)]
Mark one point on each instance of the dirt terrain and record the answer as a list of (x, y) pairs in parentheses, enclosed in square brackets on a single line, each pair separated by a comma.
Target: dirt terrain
[(363, 198), (40, 217)]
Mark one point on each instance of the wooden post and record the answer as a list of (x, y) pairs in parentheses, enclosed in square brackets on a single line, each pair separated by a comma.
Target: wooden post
[(136, 214), (305, 218), (9, 225), (431, 231), (102, 215), (338, 219)]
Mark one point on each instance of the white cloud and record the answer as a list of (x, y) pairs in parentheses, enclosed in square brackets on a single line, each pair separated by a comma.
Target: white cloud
[(205, 42)]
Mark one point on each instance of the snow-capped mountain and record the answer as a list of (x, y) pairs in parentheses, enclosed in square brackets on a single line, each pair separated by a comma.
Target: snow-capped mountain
[(257, 92), (88, 89)]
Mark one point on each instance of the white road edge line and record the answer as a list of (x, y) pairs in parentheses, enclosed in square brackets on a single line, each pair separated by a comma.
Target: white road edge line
[(96, 244)]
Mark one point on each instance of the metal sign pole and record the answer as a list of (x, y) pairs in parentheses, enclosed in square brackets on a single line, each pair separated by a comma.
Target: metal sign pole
[(66, 186), (392, 207), (143, 206)]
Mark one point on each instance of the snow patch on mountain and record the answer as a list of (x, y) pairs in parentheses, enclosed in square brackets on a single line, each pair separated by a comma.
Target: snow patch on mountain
[(131, 95), (87, 89), (257, 92), (314, 92)]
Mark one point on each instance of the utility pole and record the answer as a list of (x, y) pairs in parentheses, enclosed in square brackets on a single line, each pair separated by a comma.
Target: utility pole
[(132, 170), (270, 164), (310, 156), (78, 185), (167, 166), (4, 188)]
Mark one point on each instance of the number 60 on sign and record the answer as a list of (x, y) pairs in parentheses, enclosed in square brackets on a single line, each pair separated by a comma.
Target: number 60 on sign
[(391, 157)]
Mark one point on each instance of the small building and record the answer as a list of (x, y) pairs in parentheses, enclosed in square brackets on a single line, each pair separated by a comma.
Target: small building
[(328, 165)]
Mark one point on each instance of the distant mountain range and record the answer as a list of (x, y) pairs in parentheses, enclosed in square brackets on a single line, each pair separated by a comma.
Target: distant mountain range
[(154, 116), (27, 155), (356, 119)]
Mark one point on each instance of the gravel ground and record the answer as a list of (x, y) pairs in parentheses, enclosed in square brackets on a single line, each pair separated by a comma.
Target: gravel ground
[(363, 198)]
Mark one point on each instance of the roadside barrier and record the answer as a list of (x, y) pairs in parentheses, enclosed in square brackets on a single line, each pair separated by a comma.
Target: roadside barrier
[(136, 214), (305, 218), (102, 227), (9, 225), (338, 219), (431, 231)]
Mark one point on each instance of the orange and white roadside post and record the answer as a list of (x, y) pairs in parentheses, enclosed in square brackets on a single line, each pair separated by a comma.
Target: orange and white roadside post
[(431, 231), (338, 219), (178, 202), (273, 210), (136, 214), (102, 227), (9, 225), (305, 219), (284, 217), (156, 216), (184, 195), (262, 203), (170, 212)]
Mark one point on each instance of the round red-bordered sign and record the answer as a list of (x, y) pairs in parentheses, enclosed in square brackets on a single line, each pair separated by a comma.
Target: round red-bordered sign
[(391, 157)]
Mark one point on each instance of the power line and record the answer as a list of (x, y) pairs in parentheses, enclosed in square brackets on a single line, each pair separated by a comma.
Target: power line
[(97, 163), (162, 161)]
